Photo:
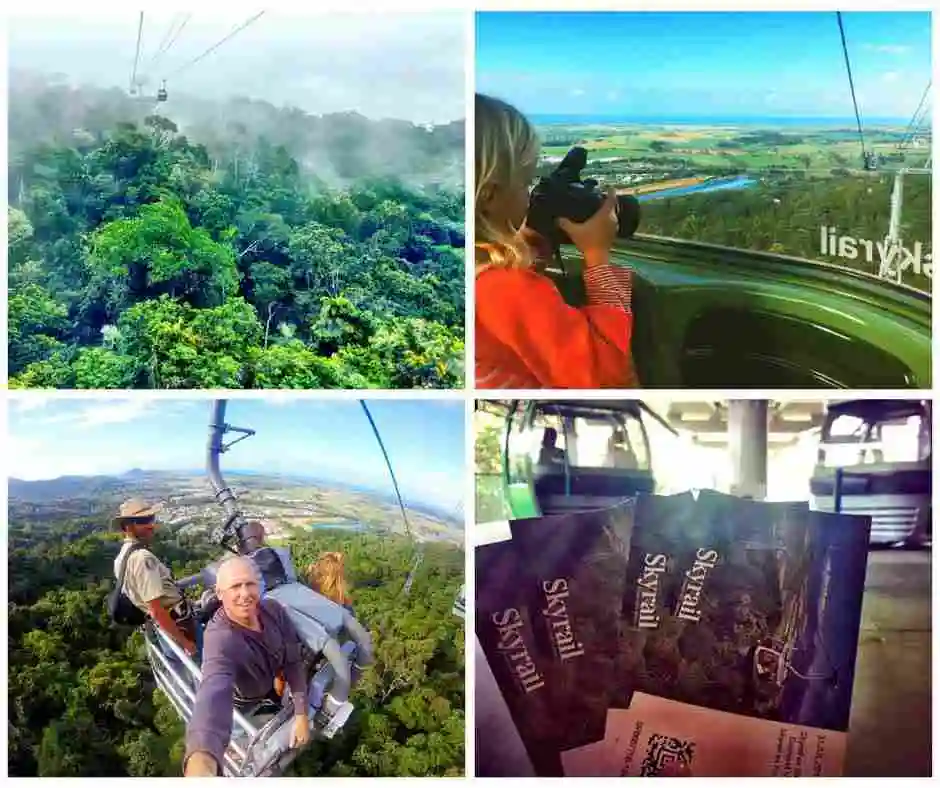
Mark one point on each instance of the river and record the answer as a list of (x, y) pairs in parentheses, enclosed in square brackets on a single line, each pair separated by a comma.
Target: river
[(347, 526), (720, 184)]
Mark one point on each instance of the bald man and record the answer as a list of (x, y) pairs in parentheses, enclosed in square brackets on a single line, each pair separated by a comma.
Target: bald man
[(245, 645)]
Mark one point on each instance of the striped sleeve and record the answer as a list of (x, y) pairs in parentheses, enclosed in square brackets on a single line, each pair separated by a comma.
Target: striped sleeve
[(609, 285)]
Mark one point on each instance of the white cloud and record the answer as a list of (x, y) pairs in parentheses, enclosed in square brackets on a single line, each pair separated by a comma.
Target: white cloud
[(115, 412), (60, 417), (891, 76), (888, 49), (26, 405), (32, 458), (577, 92)]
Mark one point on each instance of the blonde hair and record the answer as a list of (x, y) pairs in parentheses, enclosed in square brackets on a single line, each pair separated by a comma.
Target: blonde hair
[(328, 575), (506, 143)]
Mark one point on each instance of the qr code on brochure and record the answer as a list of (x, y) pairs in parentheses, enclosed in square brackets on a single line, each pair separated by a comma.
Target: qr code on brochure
[(663, 751)]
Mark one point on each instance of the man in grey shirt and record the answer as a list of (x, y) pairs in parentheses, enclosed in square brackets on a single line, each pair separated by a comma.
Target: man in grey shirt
[(245, 645)]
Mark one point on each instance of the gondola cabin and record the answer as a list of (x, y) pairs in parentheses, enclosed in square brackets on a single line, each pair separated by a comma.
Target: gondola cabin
[(562, 456), (874, 458)]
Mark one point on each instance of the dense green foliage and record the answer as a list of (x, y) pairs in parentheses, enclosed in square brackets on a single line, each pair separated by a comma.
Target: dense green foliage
[(82, 701), (491, 504), (139, 258), (784, 214)]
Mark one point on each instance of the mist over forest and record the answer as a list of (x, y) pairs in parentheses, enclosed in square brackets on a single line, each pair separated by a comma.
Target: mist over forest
[(209, 242), (334, 148)]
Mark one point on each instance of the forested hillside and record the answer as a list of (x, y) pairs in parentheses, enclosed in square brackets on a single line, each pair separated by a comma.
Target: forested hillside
[(785, 214), (233, 245), (82, 701)]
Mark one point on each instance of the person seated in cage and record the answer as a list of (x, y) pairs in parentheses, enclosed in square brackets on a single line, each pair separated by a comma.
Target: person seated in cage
[(147, 582), (274, 563), (327, 576), (619, 452), (318, 619), (323, 614), (550, 454), (247, 643), (274, 568)]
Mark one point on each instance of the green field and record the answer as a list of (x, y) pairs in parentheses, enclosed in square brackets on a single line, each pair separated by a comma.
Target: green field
[(802, 180), (730, 147)]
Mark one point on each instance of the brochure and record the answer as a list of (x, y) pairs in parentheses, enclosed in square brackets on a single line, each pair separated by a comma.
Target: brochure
[(711, 631), (743, 665)]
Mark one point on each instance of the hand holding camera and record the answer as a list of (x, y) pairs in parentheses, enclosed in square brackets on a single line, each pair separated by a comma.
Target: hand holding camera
[(595, 236), (565, 209)]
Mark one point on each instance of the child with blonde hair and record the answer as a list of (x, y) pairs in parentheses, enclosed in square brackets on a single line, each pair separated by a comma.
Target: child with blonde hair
[(526, 335), (327, 576)]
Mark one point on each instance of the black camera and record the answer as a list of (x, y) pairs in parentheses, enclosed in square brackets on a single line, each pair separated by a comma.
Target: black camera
[(562, 193)]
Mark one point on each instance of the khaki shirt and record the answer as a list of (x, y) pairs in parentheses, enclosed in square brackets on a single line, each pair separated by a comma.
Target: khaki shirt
[(147, 579)]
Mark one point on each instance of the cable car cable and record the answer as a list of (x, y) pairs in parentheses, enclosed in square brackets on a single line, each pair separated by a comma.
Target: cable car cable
[(388, 464), (848, 68), (168, 44), (920, 105), (179, 32), (161, 47), (409, 579), (918, 119), (140, 32), (214, 47)]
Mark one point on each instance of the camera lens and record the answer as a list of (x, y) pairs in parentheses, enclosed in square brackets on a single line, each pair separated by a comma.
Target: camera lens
[(628, 215)]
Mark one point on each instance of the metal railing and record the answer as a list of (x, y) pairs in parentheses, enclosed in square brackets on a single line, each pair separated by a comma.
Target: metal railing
[(181, 691), (460, 603), (253, 751)]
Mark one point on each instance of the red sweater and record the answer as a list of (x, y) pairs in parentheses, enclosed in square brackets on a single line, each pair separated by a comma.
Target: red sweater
[(527, 337)]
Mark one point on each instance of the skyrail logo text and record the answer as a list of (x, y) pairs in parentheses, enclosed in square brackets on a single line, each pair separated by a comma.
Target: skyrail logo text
[(891, 259)]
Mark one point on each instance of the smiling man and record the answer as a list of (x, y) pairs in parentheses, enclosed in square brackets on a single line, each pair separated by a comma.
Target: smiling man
[(247, 642)]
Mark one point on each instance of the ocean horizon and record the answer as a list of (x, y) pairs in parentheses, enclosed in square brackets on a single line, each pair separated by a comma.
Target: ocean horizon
[(770, 121)]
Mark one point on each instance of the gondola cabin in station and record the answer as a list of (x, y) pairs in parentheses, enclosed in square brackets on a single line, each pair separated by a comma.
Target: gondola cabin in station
[(566, 455), (874, 458)]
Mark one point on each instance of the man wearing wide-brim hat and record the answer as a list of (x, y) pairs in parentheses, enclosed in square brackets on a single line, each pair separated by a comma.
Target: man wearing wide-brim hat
[(148, 583)]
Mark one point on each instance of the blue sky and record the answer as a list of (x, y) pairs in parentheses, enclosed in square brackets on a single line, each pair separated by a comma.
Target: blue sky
[(704, 64), (322, 438)]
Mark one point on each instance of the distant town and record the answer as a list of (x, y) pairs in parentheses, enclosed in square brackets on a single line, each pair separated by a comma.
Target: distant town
[(281, 505)]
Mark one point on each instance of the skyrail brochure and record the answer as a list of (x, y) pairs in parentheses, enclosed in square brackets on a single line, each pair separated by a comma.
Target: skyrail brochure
[(735, 646), (548, 606)]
